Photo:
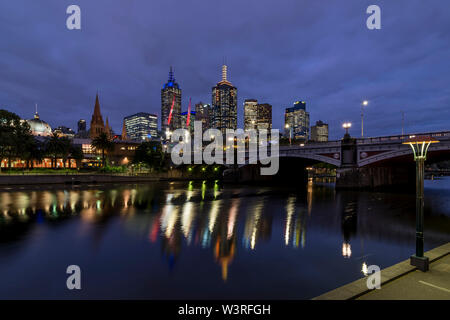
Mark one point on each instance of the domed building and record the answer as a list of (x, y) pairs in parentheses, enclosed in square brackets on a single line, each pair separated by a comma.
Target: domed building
[(39, 127)]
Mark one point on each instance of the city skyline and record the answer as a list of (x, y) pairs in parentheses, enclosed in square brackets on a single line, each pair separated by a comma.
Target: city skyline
[(328, 67)]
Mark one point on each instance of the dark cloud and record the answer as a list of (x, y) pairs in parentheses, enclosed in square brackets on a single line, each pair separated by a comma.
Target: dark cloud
[(277, 51)]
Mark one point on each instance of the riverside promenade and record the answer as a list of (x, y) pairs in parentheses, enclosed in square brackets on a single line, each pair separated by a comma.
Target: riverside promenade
[(403, 282)]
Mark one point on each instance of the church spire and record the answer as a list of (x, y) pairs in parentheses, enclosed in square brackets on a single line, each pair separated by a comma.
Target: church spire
[(97, 107), (97, 125), (124, 132)]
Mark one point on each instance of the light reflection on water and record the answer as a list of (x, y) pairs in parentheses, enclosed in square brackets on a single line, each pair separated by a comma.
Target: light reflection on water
[(203, 240)]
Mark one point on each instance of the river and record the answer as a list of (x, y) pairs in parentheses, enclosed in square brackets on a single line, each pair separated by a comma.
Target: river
[(203, 240)]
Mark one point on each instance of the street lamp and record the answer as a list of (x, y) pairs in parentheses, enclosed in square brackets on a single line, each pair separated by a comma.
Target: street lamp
[(346, 126), (363, 104), (287, 126), (420, 147)]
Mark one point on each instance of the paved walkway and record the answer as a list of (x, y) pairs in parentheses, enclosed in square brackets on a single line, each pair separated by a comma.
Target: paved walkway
[(417, 285), (403, 282)]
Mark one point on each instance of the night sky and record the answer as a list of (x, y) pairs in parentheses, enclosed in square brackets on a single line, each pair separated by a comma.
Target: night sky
[(278, 51)]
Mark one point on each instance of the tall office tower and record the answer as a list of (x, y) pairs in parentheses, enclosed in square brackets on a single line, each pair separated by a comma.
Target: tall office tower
[(257, 116), (319, 132), (250, 114), (188, 121), (97, 124), (203, 114), (170, 106), (81, 125), (296, 122), (224, 104), (264, 116), (141, 126)]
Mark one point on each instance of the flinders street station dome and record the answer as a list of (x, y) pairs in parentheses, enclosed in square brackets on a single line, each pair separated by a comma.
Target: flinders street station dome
[(39, 127)]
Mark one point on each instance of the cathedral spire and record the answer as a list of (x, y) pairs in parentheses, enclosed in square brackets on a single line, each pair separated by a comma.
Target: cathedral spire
[(97, 125), (124, 132), (97, 107)]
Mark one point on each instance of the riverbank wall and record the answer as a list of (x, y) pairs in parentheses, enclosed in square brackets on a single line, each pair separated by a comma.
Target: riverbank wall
[(31, 179)]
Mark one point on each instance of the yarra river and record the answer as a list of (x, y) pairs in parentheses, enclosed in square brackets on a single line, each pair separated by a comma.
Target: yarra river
[(189, 240)]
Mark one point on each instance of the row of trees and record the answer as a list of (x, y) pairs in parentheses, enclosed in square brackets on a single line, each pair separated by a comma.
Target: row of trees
[(16, 142)]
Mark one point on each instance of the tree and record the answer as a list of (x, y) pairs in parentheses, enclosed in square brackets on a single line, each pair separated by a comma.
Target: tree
[(33, 151), (53, 148), (103, 142), (13, 133), (77, 154), (65, 148), (149, 153)]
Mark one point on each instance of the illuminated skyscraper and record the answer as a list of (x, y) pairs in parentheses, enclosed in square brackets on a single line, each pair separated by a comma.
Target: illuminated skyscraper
[(224, 104), (250, 114), (319, 132), (257, 116), (141, 126), (170, 105), (192, 119), (203, 113), (296, 121)]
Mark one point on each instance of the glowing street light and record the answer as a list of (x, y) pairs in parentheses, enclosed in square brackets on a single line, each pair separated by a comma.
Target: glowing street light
[(365, 103), (287, 126), (346, 126), (420, 147)]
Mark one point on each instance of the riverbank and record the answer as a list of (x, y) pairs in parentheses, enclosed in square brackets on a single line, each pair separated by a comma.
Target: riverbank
[(403, 281), (87, 178)]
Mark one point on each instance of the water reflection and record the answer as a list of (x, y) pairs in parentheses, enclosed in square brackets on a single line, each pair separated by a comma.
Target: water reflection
[(207, 216)]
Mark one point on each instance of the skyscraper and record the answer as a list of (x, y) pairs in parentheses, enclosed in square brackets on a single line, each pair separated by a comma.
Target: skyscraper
[(250, 114), (257, 116), (97, 124), (203, 114), (188, 124), (224, 104), (319, 132), (81, 125), (170, 106), (141, 126), (264, 116), (296, 121)]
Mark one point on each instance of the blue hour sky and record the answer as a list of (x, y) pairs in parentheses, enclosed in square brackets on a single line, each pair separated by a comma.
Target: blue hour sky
[(277, 51)]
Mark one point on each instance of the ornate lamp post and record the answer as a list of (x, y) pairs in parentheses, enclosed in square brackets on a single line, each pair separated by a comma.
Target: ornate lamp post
[(420, 147)]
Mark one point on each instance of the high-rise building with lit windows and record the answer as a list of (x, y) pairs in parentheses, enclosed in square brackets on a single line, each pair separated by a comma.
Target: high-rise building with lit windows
[(188, 121), (257, 116), (319, 132), (224, 104), (141, 126), (170, 105), (203, 113), (296, 122)]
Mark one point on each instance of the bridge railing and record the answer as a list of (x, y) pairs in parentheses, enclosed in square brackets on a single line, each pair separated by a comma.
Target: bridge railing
[(400, 138)]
